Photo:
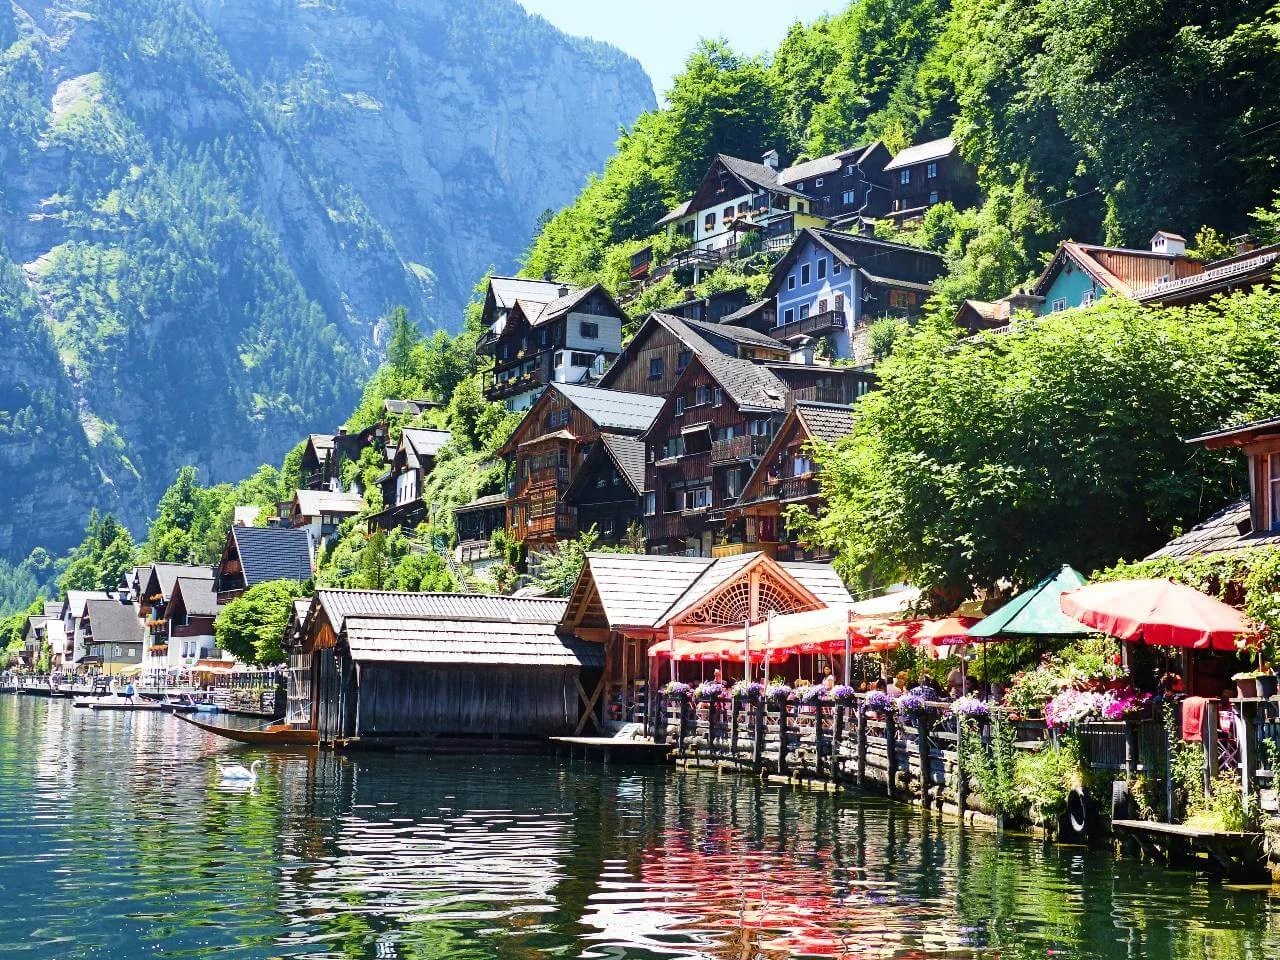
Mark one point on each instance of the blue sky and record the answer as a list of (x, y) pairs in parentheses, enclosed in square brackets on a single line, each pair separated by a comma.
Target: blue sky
[(660, 33)]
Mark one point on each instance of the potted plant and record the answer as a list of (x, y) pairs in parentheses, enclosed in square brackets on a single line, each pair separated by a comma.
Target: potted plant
[(709, 691), (843, 694), (675, 691), (878, 702), (1246, 684), (748, 691), (777, 694)]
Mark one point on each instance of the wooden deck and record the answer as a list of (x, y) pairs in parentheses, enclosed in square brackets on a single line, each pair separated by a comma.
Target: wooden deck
[(1233, 853), (619, 749)]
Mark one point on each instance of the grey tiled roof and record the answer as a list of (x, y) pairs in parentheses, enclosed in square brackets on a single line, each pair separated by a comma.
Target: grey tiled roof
[(198, 597), (742, 313), (757, 174), (273, 553), (112, 621), (820, 166), (743, 335), (424, 443), (627, 454), (747, 384), (482, 503), (821, 580), (1219, 534), (507, 290), (313, 503), (165, 575), (613, 409), (461, 641), (338, 605), (826, 421), (932, 150)]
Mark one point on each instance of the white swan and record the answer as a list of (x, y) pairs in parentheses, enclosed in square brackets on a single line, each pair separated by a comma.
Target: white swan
[(238, 772)]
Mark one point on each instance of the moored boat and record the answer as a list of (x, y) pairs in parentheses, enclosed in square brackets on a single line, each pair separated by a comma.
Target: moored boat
[(278, 734)]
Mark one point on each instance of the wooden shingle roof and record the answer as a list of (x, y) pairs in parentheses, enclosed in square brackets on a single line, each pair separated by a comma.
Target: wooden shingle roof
[(338, 605), (1220, 533), (465, 643)]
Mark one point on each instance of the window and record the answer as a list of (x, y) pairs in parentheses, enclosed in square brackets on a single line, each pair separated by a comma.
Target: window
[(904, 177), (818, 182), (788, 315), (655, 368), (589, 330), (822, 306), (701, 395), (697, 498), (559, 358), (733, 482), (581, 359), (800, 187), (679, 404), (822, 268), (801, 465), (719, 397), (558, 418), (849, 197), (836, 268), (650, 503), (931, 171), (791, 281), (1059, 305), (727, 213), (743, 207), (840, 303), (1273, 489), (683, 359), (759, 428), (805, 273), (933, 197), (709, 221), (850, 169), (804, 311), (1087, 299), (902, 299)]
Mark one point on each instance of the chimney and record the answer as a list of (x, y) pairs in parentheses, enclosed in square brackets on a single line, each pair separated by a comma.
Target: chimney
[(564, 290), (1171, 244), (805, 351), (342, 431), (770, 159), (1245, 243)]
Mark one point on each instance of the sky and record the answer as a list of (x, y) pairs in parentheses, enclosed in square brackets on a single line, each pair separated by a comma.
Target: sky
[(661, 33)]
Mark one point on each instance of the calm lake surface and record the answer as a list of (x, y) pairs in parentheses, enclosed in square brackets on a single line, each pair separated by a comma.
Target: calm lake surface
[(116, 840)]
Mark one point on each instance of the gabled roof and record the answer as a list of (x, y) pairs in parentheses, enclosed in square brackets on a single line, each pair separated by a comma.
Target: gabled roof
[(826, 422), (612, 409), (505, 291), (541, 313), (627, 454), (849, 249), (487, 502), (1239, 434), (114, 621), (675, 213), (422, 443), (922, 152), (76, 600), (744, 313), (820, 579), (410, 408), (1228, 530), (757, 175), (313, 503), (821, 166), (750, 385), (463, 641), (273, 553), (160, 577), (197, 595), (338, 605), (322, 442)]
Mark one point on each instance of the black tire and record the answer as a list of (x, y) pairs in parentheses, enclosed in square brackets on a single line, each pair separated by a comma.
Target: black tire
[(1079, 812)]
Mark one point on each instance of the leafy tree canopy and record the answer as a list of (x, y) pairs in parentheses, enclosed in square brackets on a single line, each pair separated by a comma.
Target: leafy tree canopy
[(251, 627)]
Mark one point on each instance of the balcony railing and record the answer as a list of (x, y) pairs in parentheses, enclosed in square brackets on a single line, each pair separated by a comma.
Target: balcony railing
[(738, 448), (816, 323), (501, 389), (735, 549), (798, 488), (844, 393), (546, 475)]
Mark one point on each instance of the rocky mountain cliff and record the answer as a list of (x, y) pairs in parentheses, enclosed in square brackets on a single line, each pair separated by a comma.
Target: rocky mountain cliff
[(206, 205)]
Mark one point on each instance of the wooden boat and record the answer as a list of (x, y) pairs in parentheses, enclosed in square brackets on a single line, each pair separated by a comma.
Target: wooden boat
[(278, 734), (139, 706)]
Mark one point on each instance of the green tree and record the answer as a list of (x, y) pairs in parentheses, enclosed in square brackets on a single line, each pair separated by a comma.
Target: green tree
[(251, 627), (404, 338)]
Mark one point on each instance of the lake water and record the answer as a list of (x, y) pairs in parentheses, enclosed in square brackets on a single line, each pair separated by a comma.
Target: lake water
[(116, 840)]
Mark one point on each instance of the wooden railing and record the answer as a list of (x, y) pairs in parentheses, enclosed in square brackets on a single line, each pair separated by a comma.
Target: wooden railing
[(738, 448), (563, 523), (798, 488), (823, 322)]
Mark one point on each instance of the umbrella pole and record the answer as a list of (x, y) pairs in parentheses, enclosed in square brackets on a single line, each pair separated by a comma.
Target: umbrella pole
[(746, 649), (671, 649), (848, 643)]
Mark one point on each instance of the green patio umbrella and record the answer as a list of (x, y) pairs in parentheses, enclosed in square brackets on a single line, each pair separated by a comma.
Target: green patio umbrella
[(1034, 613)]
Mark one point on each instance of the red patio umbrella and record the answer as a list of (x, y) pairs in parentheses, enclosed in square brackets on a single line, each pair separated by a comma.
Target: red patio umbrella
[(947, 632), (1158, 612)]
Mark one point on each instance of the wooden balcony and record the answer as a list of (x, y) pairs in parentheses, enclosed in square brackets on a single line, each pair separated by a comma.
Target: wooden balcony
[(738, 448), (546, 475), (735, 549), (813, 325), (561, 525), (509, 387), (844, 393), (798, 488)]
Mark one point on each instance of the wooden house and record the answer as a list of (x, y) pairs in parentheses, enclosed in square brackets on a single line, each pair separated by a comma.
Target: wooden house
[(1080, 274), (348, 446), (113, 635), (1248, 524), (844, 186), (786, 477), (154, 587), (680, 596), (321, 512), (606, 490), (551, 445), (72, 616), (927, 174), (314, 470), (253, 555), (664, 345), (830, 287), (539, 332), (413, 459), (388, 667), (1245, 269), (475, 523)]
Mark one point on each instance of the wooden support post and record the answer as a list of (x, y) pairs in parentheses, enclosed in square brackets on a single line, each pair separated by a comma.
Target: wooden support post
[(1209, 736), (683, 726), (1130, 750), (757, 734), (734, 704), (782, 739), (817, 738), (962, 781), (891, 744), (837, 735), (922, 745), (1248, 737), (860, 745), (658, 706)]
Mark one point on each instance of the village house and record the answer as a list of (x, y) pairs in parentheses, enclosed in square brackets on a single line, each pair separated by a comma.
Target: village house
[(113, 635), (549, 447), (413, 459), (385, 668), (664, 345), (830, 287), (253, 555), (314, 467), (1248, 524), (320, 512), (72, 616), (927, 174), (182, 628), (539, 332), (786, 477), (681, 597), (152, 587), (45, 631), (607, 489), (475, 524)]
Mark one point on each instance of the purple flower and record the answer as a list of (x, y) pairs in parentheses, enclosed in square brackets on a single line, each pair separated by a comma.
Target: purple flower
[(709, 690), (813, 694), (843, 693), (970, 707), (744, 690), (675, 690), (911, 704), (878, 702), (778, 692)]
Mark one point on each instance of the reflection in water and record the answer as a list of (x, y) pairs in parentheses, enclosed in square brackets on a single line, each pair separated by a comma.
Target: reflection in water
[(116, 838)]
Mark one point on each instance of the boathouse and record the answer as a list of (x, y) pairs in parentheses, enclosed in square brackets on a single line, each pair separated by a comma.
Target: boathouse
[(389, 667)]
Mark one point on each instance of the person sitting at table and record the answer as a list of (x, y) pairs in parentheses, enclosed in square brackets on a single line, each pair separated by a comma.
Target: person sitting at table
[(899, 685)]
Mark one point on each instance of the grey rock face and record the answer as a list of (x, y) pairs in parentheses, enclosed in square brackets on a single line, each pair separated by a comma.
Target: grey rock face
[(212, 202)]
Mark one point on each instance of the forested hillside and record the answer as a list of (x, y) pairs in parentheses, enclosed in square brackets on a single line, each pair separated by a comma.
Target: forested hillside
[(1085, 119), (206, 207)]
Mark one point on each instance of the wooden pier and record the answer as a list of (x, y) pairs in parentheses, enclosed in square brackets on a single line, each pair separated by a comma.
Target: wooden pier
[(1233, 853)]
